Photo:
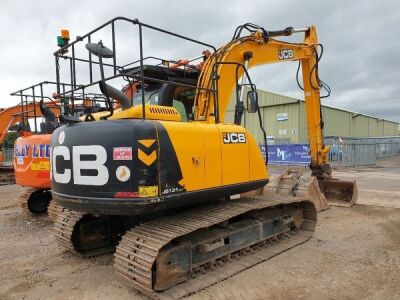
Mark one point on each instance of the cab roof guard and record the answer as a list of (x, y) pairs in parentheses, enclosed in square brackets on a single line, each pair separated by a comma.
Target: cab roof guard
[(69, 53)]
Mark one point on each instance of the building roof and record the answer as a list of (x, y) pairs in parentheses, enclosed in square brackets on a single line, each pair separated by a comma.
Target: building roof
[(267, 98)]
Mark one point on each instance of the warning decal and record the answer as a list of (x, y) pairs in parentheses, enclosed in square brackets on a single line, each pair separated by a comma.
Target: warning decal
[(40, 166), (148, 191), (122, 153)]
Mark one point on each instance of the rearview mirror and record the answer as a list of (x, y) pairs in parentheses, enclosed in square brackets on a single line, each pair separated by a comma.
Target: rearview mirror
[(99, 50), (252, 102), (102, 52)]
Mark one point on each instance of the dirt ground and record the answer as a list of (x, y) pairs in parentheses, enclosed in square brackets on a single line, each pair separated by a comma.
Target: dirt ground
[(354, 254)]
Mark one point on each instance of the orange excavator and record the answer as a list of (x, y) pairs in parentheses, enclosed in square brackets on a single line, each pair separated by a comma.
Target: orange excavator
[(36, 117), (17, 115), (159, 181), (35, 120)]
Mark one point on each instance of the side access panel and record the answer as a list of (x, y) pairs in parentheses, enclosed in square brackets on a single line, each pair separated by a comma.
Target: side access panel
[(212, 155), (235, 154), (187, 146)]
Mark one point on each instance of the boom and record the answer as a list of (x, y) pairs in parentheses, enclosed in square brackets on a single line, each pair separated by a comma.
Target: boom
[(258, 49), (12, 115)]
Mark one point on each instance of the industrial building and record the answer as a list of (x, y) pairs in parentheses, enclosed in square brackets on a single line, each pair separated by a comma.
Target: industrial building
[(284, 120)]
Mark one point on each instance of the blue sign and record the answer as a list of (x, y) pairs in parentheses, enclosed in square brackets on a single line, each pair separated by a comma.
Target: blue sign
[(288, 154)]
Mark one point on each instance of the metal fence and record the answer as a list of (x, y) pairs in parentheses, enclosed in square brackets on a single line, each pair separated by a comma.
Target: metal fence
[(352, 154), (349, 152), (386, 147), (7, 157)]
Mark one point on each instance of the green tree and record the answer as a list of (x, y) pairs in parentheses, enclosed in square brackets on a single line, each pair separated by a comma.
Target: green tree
[(9, 140)]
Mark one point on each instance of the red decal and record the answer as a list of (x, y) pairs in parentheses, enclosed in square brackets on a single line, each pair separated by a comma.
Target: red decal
[(122, 153), (43, 174), (126, 195)]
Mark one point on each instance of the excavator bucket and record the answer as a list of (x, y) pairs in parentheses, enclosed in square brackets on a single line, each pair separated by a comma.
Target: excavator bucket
[(339, 192), (323, 193), (309, 187)]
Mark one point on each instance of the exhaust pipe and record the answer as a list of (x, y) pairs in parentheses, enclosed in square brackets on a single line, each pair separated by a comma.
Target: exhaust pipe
[(115, 94)]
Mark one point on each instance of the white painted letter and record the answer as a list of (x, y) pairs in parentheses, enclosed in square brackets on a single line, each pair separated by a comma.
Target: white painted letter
[(101, 157), (64, 152)]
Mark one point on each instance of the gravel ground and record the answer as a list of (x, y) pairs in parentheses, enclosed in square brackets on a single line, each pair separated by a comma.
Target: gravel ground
[(354, 254)]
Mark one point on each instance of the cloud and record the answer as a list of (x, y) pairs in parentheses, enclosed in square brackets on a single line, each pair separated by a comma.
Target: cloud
[(361, 61)]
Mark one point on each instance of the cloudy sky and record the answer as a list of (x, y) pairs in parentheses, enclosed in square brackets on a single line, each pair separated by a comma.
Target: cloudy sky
[(361, 61)]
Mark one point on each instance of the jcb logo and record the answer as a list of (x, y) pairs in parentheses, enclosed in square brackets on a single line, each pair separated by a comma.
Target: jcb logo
[(96, 165), (285, 54), (234, 138), (94, 172)]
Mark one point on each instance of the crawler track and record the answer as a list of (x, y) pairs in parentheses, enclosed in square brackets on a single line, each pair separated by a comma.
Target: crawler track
[(83, 234), (34, 201), (23, 198), (140, 247), (53, 210), (64, 227)]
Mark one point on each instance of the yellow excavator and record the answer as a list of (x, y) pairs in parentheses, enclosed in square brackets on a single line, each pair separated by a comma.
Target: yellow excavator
[(159, 176)]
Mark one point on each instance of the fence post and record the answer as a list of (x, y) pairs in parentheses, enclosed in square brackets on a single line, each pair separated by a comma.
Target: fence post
[(8, 154)]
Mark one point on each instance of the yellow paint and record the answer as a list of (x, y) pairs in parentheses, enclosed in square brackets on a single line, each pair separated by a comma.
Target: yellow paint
[(187, 139), (256, 161), (264, 53), (235, 157), (204, 159), (212, 155), (147, 143), (148, 191), (152, 112), (147, 159), (40, 166), (206, 162)]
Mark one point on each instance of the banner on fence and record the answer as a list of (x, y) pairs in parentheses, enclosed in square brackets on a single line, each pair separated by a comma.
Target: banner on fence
[(288, 154)]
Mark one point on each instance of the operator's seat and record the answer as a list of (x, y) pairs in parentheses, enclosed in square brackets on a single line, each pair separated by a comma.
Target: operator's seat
[(47, 127)]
